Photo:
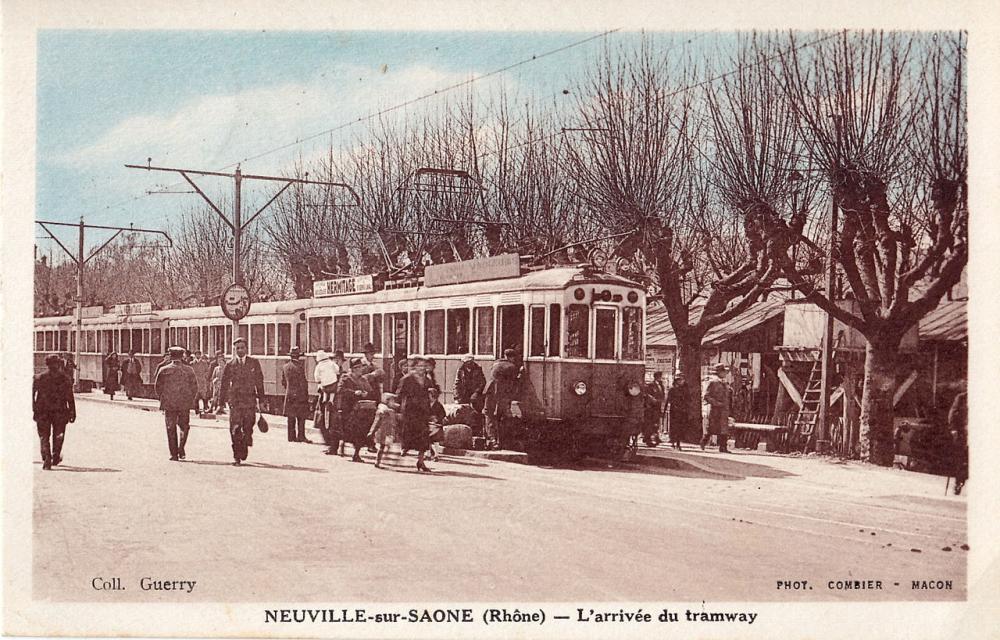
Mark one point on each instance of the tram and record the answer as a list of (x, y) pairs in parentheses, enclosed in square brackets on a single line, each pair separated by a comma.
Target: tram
[(578, 331)]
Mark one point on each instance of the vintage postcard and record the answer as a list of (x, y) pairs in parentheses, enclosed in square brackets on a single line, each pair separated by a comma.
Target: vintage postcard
[(464, 320)]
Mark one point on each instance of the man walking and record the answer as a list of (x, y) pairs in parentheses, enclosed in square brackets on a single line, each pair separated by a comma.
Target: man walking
[(242, 387), (177, 388), (293, 378), (52, 406), (132, 375), (715, 409)]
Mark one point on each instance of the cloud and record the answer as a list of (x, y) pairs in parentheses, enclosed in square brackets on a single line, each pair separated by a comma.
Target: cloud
[(217, 130)]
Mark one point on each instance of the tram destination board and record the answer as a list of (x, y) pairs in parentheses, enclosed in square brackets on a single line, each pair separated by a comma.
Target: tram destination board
[(343, 286), (135, 308), (507, 265)]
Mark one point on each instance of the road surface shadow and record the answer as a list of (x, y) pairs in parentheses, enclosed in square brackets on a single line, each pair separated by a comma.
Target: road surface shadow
[(72, 469), (437, 471), (258, 465), (448, 460), (679, 465)]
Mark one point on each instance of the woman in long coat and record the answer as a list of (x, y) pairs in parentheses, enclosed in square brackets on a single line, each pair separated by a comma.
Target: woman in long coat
[(415, 409), (679, 401), (111, 368), (354, 422)]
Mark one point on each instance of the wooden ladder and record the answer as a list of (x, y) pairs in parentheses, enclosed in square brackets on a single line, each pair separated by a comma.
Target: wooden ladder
[(805, 422)]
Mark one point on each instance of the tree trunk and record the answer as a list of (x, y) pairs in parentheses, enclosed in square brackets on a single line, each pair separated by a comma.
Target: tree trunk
[(689, 363), (877, 412)]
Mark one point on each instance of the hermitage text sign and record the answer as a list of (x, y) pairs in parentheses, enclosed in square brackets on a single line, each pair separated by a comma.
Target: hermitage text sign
[(343, 286)]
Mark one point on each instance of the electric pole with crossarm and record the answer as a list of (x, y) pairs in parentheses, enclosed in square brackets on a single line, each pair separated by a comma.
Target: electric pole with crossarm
[(80, 261), (236, 299)]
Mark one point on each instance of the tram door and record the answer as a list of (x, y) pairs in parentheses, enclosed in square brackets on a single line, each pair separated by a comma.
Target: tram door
[(511, 326), (396, 336)]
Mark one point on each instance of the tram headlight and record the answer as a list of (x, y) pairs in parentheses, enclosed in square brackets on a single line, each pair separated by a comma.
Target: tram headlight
[(633, 297), (580, 388), (634, 390)]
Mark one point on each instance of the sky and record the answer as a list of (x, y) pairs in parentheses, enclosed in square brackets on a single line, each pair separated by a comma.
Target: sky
[(208, 99)]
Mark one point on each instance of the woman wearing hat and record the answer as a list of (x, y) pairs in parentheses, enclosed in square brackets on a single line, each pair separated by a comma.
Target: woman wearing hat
[(111, 368), (414, 399), (353, 420), (383, 427), (679, 402)]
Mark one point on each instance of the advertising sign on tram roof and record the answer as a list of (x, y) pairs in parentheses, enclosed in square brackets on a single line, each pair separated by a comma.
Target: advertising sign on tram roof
[(506, 265), (343, 286)]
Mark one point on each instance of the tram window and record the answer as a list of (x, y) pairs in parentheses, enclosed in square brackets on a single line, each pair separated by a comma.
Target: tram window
[(511, 327), (458, 331), (194, 341), (434, 331), (257, 339), (284, 338), (537, 346), (555, 329), (484, 331), (320, 332), (229, 339), (604, 334), (300, 332), (204, 340), (156, 342), (577, 331), (182, 337), (39, 341), (126, 340), (72, 341), (631, 333), (342, 333), (415, 332), (244, 332), (269, 334), (377, 332), (63, 341), (359, 333), (144, 341)]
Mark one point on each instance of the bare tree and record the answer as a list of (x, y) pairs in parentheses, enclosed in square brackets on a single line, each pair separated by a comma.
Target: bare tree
[(885, 116)]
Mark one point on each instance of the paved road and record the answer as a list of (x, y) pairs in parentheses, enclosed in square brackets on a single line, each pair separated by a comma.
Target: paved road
[(295, 525)]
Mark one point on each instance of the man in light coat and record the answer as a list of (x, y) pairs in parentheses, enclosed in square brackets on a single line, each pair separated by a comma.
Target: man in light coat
[(177, 388), (715, 408)]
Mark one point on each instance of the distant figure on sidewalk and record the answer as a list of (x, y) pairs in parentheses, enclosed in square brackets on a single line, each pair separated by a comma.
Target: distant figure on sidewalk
[(654, 395), (177, 388), (293, 378), (202, 366), (132, 375), (958, 425), (52, 406), (679, 403), (215, 375), (470, 382), (111, 369), (243, 388), (715, 409)]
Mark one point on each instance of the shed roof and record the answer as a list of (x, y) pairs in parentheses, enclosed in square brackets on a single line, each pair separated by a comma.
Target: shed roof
[(659, 332), (947, 323)]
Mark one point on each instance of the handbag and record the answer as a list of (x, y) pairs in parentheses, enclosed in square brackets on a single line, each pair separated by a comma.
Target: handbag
[(262, 424)]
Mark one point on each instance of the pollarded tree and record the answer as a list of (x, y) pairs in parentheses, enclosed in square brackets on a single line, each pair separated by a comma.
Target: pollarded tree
[(885, 115)]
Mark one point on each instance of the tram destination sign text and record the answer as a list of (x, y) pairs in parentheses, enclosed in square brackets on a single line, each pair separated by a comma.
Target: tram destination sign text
[(507, 265), (133, 309), (343, 286)]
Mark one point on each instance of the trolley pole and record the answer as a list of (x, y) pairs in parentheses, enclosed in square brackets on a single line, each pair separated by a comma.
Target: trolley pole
[(237, 237), (79, 309), (80, 261)]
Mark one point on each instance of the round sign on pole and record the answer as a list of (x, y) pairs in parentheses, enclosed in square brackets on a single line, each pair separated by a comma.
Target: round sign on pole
[(236, 302)]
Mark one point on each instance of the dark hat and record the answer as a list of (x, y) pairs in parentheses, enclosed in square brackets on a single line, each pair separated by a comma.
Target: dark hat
[(368, 347), (338, 354), (295, 352), (357, 362), (176, 352), (52, 359)]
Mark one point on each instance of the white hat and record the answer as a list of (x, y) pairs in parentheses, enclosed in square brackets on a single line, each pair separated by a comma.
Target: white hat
[(468, 357), (322, 355)]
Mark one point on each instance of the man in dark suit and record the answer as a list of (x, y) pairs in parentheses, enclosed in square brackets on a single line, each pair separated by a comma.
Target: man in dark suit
[(53, 406), (293, 378), (177, 387), (242, 387)]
